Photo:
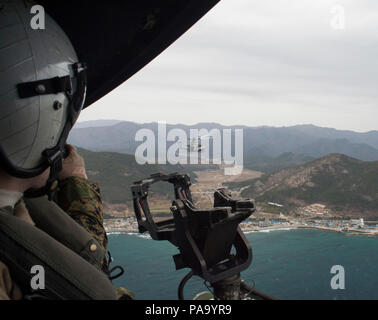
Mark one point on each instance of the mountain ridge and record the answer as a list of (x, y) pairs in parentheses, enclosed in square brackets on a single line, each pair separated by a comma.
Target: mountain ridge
[(345, 184), (308, 140)]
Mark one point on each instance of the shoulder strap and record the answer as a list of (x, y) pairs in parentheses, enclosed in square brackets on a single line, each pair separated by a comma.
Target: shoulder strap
[(67, 275), (50, 218)]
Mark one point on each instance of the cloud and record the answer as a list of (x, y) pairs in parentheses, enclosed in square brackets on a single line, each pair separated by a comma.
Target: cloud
[(261, 62)]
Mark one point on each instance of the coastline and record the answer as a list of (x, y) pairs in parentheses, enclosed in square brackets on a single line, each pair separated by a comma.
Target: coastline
[(133, 231)]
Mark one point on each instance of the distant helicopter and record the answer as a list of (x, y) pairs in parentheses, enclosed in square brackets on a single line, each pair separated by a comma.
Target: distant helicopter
[(195, 144)]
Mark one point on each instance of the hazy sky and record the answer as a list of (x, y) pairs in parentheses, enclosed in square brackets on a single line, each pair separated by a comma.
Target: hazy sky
[(261, 62)]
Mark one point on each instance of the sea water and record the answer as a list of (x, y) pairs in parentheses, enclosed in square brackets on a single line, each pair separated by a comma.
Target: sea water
[(288, 264)]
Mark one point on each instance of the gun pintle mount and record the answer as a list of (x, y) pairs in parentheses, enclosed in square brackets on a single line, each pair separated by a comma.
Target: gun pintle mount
[(210, 241)]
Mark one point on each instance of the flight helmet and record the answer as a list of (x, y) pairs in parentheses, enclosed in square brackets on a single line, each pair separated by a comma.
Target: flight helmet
[(42, 91)]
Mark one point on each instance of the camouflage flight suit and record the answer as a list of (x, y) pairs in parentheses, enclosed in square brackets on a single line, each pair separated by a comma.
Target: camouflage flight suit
[(80, 198)]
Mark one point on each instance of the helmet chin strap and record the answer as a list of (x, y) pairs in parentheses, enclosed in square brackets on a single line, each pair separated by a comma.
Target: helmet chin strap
[(54, 158)]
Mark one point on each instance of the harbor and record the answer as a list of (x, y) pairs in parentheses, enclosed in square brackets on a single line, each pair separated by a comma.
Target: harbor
[(353, 226)]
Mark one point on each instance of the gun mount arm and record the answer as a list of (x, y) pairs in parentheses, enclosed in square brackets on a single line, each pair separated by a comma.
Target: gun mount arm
[(210, 241)]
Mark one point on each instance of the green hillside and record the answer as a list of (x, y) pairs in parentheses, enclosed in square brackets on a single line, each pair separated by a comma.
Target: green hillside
[(343, 183), (267, 164), (116, 172)]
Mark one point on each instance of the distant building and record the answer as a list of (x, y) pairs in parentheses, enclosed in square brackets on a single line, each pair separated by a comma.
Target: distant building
[(314, 209), (275, 204), (357, 222)]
